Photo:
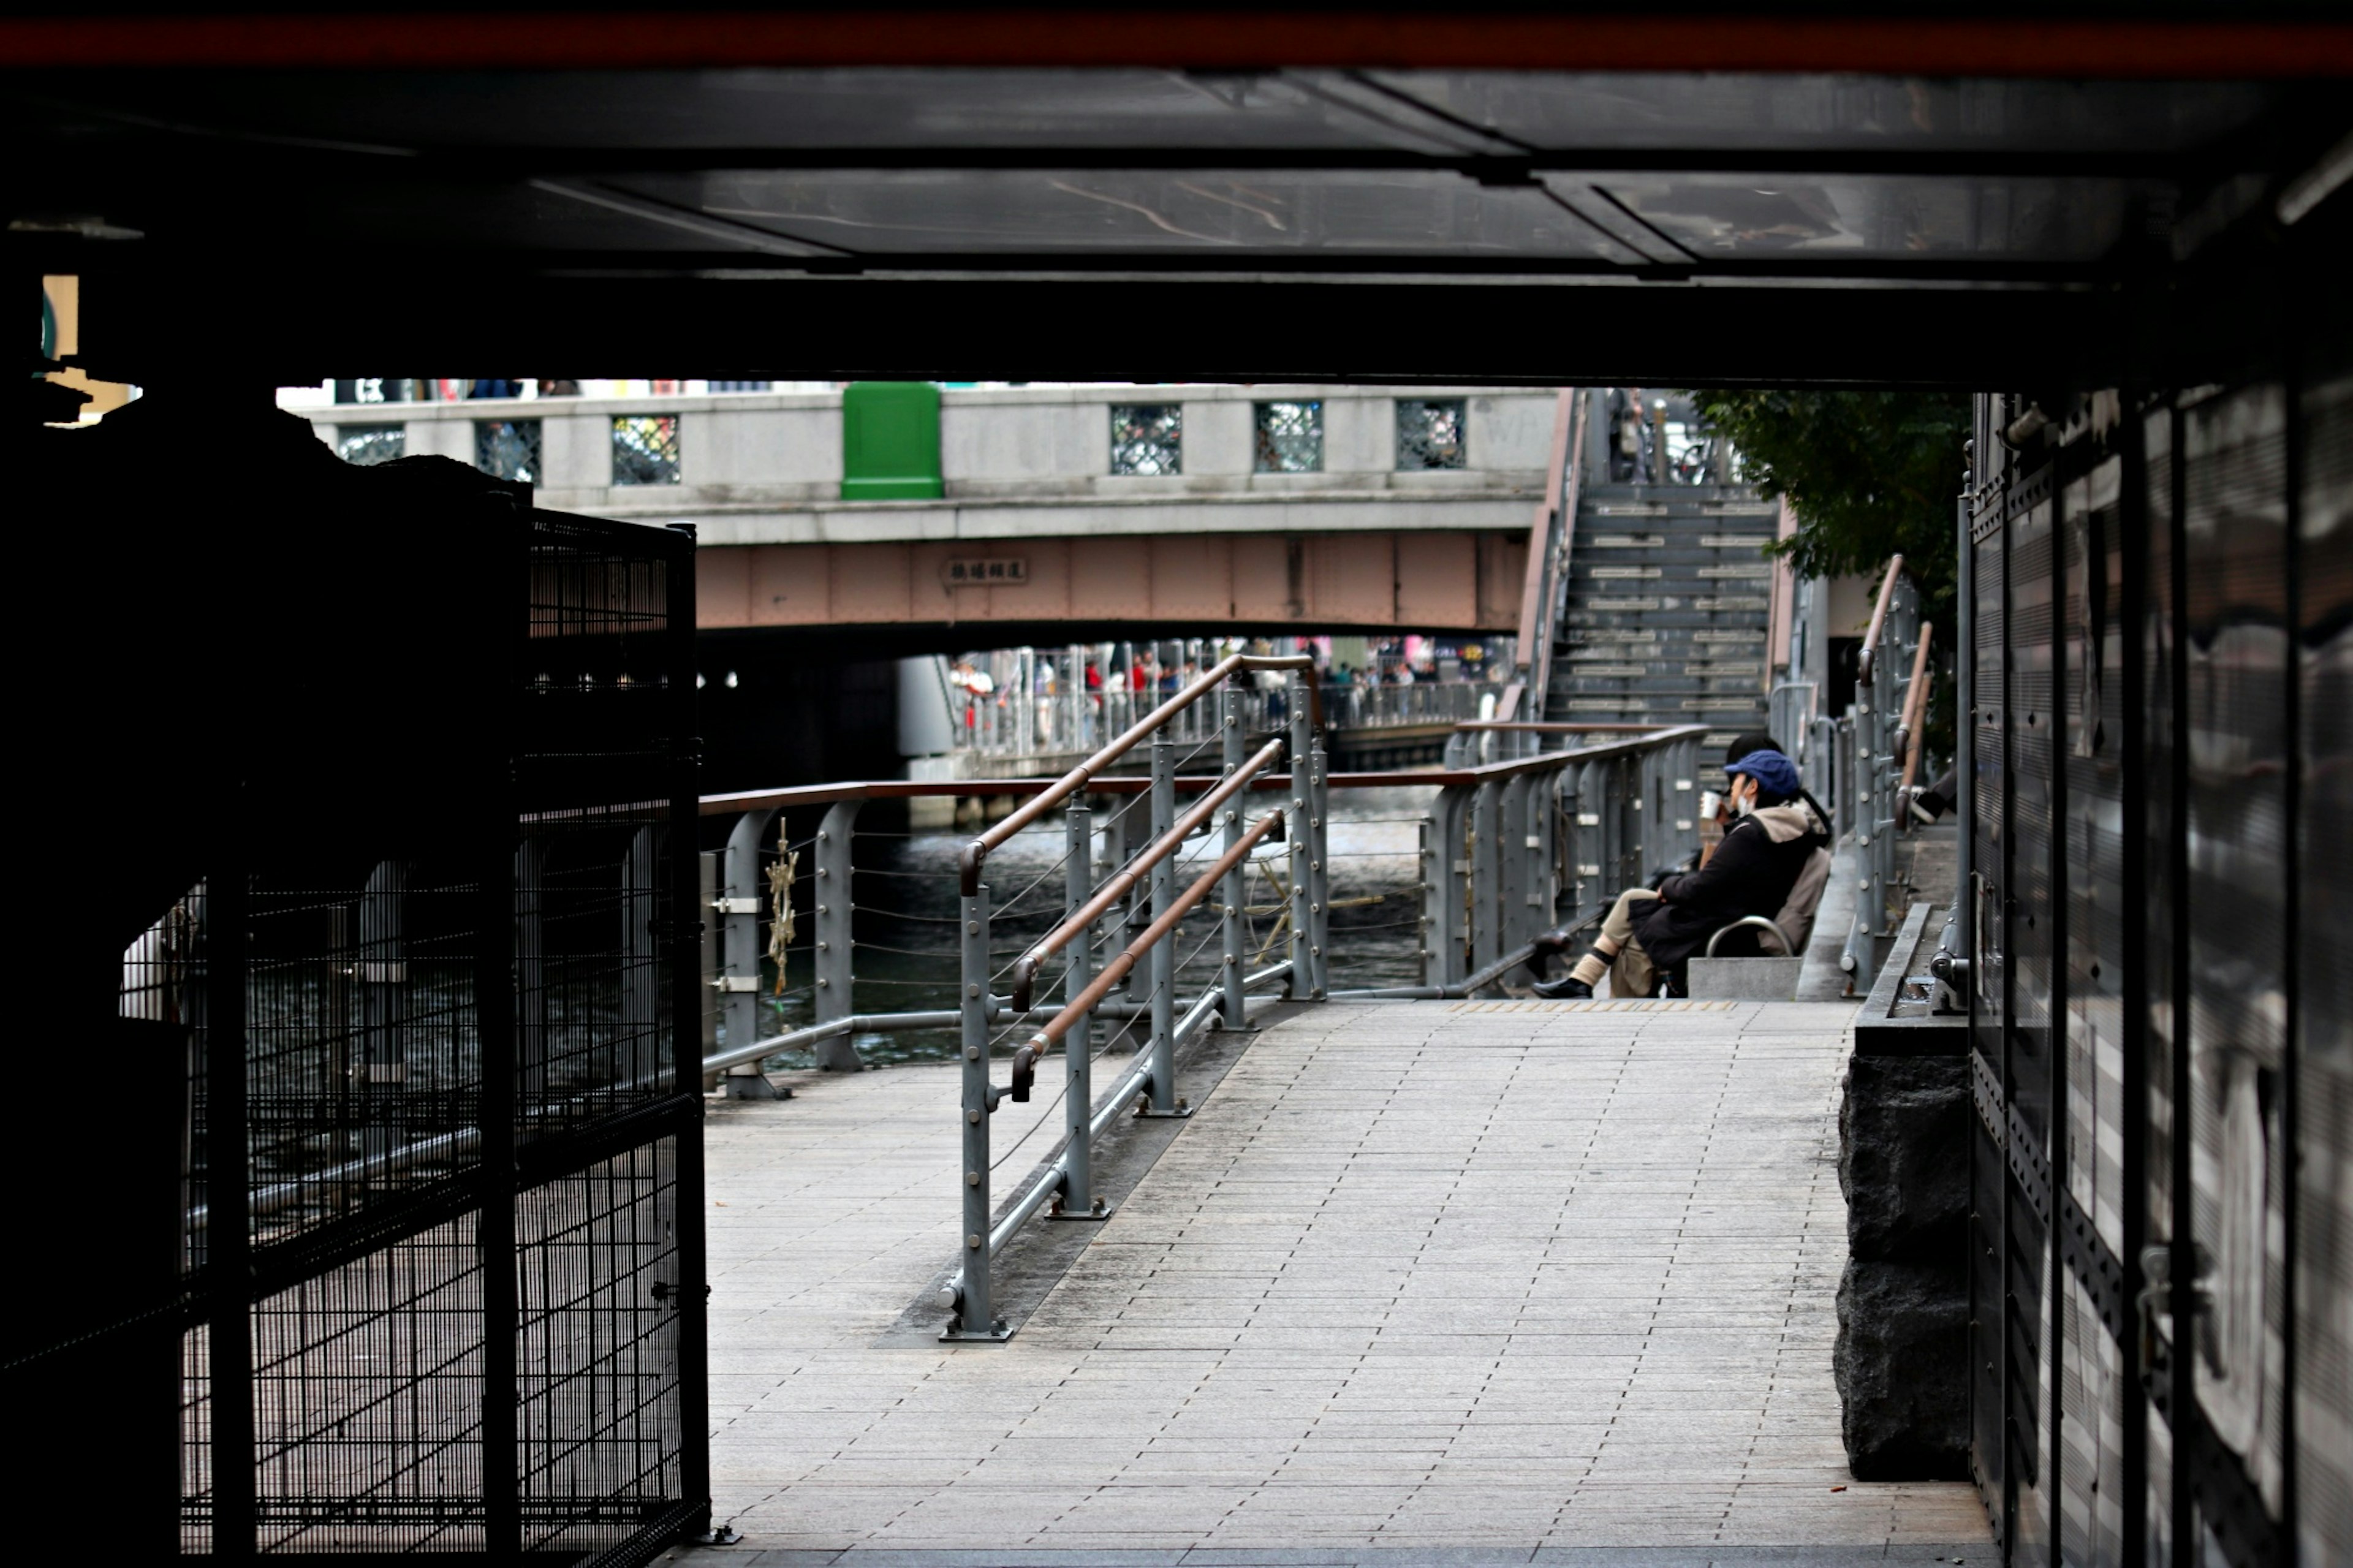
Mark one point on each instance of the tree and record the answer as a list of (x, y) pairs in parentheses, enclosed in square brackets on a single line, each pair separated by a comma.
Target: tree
[(1868, 475)]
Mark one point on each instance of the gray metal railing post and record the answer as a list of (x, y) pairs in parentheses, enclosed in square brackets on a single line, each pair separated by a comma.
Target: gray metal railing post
[(1957, 944), (1233, 928), (836, 980), (735, 910), (1487, 873), (1513, 844), (976, 1316), (1589, 848), (1301, 841), (1601, 803), (1860, 958), (1446, 888), (1543, 857), (1687, 801), (1164, 954), (1426, 860), (1114, 858), (1646, 792), (1319, 868), (1078, 1200), (707, 883)]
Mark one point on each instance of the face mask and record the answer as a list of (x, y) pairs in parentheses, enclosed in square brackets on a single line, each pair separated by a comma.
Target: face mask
[(1743, 804)]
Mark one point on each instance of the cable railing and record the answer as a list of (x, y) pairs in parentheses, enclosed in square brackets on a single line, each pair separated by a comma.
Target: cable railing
[(1152, 924), (1057, 714)]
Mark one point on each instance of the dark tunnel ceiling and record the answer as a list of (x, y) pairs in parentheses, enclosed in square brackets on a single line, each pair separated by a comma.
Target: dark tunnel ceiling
[(528, 211)]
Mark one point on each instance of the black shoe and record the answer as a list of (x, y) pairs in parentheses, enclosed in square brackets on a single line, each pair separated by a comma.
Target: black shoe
[(1567, 987)]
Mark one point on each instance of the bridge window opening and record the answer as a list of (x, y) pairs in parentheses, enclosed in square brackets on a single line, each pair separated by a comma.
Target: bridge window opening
[(1429, 433), (508, 449), (364, 446), (1290, 436), (644, 449), (1147, 438)]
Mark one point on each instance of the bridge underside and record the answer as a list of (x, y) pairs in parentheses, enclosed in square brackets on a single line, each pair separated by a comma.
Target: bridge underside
[(1935, 199)]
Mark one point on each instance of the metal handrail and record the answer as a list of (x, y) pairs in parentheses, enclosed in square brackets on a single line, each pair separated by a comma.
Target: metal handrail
[(1867, 660), (1560, 726), (1915, 708), (971, 859), (1506, 841), (1025, 969), (1756, 923), (1025, 1060)]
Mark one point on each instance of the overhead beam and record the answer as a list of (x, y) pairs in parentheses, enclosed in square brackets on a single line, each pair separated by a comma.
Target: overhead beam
[(308, 328), (2197, 43)]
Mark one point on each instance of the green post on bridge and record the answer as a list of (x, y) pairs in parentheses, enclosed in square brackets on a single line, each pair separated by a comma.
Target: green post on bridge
[(891, 441)]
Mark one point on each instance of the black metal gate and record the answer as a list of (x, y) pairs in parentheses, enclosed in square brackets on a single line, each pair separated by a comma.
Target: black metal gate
[(2162, 1292), (440, 1246)]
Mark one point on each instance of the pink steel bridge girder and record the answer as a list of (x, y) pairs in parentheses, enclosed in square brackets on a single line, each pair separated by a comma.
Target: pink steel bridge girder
[(1435, 580)]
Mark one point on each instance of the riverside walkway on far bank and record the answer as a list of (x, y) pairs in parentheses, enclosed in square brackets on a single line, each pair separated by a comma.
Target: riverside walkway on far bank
[(1473, 1282)]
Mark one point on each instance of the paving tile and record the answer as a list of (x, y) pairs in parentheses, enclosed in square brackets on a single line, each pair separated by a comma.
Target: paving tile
[(1423, 1286)]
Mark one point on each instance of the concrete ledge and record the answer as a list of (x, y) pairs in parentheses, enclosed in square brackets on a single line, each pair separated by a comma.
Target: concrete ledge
[(1745, 979), (1893, 1022)]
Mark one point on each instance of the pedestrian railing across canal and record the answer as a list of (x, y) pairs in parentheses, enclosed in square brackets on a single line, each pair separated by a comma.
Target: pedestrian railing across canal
[(1503, 852)]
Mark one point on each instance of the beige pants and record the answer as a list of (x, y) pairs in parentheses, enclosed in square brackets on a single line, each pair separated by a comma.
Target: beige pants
[(1618, 954)]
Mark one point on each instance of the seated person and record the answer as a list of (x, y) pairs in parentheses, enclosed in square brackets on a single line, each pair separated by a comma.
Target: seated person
[(1651, 932)]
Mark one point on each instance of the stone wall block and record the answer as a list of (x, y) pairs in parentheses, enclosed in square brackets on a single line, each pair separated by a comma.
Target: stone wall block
[(1904, 1157), (1901, 1367)]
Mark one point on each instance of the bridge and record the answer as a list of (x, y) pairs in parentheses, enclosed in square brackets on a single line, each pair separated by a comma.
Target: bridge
[(1203, 1098), (1360, 520)]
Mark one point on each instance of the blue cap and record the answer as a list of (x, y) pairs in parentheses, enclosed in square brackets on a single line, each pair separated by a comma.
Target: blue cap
[(1776, 774)]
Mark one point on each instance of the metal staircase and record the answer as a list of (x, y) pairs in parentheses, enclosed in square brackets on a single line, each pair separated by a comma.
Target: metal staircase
[(1665, 605)]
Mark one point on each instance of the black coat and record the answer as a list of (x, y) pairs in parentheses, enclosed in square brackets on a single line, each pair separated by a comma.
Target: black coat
[(1750, 873)]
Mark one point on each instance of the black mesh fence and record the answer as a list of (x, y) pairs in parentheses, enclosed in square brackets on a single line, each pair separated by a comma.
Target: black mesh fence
[(440, 1278)]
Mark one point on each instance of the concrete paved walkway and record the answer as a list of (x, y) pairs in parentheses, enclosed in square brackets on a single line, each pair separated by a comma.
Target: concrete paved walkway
[(1529, 1279)]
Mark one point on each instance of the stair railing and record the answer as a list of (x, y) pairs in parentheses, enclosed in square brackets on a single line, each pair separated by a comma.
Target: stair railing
[(1552, 533), (1890, 688)]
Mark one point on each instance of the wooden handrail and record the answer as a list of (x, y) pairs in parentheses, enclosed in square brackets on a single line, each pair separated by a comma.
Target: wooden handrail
[(975, 854), (1868, 659), (1915, 705), (1119, 968), (1115, 887)]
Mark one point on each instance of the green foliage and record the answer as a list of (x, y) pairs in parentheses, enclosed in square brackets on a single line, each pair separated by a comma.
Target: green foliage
[(1868, 474)]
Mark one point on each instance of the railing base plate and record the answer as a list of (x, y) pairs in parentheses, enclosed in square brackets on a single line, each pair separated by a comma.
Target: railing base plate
[(956, 1334), (1102, 1213), (1146, 1113)]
